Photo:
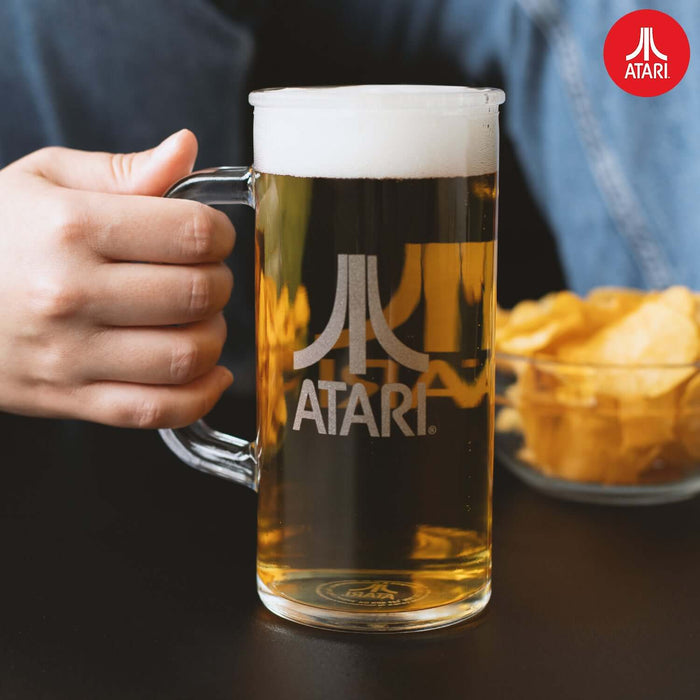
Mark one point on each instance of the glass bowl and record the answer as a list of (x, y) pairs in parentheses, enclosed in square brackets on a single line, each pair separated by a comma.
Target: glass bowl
[(600, 433)]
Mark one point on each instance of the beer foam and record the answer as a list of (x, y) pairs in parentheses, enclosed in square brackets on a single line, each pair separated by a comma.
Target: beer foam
[(376, 131)]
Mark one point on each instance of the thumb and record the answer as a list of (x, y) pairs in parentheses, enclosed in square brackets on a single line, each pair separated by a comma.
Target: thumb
[(148, 172)]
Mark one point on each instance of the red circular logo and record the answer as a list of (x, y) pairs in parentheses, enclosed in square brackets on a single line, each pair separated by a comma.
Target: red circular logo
[(646, 53)]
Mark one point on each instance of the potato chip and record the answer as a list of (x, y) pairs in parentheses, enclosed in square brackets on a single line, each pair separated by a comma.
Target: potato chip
[(654, 334), (623, 299), (583, 446), (681, 299), (541, 422), (526, 315), (535, 326), (646, 422), (607, 304), (632, 465), (578, 386), (502, 318), (301, 310), (508, 420)]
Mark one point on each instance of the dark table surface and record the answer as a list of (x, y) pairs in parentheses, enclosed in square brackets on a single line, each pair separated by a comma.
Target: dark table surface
[(127, 575)]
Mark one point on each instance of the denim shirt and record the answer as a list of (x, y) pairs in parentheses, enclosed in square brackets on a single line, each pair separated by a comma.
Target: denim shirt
[(616, 176)]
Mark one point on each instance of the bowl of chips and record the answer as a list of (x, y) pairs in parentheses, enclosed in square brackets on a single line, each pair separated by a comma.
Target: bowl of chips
[(598, 398)]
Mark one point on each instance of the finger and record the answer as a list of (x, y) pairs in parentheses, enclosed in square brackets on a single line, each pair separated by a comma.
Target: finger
[(174, 355), (143, 406), (148, 172), (150, 229), (128, 294)]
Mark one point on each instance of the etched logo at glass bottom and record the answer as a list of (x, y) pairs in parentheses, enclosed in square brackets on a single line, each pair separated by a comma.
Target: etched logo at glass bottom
[(373, 594)]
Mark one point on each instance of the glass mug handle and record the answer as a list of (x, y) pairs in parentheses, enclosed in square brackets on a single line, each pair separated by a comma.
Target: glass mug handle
[(198, 445)]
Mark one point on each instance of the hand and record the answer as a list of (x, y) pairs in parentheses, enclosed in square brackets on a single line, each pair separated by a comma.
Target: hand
[(110, 296)]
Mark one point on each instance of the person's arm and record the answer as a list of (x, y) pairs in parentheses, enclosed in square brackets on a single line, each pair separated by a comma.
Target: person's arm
[(110, 296)]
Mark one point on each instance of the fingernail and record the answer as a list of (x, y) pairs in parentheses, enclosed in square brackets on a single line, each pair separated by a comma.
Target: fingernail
[(169, 143)]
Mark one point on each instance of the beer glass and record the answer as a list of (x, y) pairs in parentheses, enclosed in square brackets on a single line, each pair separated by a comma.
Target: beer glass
[(375, 287)]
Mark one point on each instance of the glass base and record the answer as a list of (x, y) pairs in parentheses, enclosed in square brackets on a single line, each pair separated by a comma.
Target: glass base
[(369, 620)]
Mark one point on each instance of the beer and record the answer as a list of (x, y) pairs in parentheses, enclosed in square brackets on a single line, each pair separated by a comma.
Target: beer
[(375, 392)]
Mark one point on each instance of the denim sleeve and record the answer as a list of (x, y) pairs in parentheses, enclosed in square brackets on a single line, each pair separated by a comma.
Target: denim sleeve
[(616, 176)]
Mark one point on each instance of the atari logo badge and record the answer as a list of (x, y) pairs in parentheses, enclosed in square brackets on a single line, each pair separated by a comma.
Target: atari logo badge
[(646, 53)]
